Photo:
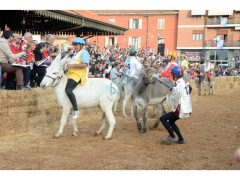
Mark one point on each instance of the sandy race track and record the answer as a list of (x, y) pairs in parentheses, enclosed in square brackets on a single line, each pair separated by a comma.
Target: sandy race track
[(212, 134)]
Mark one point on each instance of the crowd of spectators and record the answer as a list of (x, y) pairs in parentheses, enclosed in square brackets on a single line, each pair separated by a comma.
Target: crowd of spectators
[(27, 60), (23, 61)]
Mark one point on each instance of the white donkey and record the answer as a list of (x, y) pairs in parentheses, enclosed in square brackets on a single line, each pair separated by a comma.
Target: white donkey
[(96, 92)]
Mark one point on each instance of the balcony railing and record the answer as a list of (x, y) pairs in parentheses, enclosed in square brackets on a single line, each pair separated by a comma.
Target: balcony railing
[(212, 43), (217, 21)]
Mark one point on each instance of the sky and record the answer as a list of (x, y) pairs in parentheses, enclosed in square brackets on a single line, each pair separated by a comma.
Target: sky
[(120, 4)]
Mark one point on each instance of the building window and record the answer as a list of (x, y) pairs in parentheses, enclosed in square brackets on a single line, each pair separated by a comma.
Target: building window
[(197, 17), (161, 23), (218, 54), (197, 37), (112, 20), (135, 42), (111, 41), (135, 23)]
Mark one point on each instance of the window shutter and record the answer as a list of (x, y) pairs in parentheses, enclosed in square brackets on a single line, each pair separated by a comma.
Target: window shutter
[(161, 23), (130, 23), (163, 26), (139, 42), (115, 40), (140, 24), (129, 41), (106, 41)]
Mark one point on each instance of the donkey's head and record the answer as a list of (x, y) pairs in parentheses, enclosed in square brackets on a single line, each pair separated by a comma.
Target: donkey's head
[(54, 72), (148, 75)]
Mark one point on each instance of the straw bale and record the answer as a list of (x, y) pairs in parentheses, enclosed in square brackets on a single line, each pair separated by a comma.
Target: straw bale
[(37, 110), (22, 111)]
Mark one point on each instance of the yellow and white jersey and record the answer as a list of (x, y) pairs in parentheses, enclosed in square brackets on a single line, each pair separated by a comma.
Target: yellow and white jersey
[(79, 74)]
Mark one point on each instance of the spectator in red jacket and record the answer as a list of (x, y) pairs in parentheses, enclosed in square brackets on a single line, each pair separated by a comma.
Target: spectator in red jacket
[(15, 45), (28, 59), (172, 62), (27, 37)]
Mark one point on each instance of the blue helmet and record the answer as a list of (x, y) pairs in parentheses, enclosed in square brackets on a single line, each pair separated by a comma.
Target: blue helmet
[(176, 71), (78, 40), (132, 52)]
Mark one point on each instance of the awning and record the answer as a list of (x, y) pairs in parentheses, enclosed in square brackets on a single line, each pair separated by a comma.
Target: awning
[(60, 16), (198, 12), (59, 22), (81, 18), (220, 12)]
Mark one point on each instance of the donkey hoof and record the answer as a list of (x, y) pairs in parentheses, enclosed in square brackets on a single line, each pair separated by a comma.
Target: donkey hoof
[(56, 136), (139, 129), (154, 126), (144, 130), (74, 134), (139, 126), (153, 115), (107, 138), (97, 133)]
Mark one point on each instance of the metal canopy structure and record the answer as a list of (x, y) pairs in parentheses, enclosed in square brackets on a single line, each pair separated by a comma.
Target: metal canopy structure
[(57, 22)]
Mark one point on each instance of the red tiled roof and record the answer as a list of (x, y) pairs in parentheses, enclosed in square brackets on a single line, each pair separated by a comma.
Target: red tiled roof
[(91, 15)]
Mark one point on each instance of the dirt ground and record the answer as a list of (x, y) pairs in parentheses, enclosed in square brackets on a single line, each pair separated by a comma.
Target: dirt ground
[(212, 134)]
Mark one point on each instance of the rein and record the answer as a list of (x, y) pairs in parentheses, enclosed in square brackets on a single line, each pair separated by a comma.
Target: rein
[(54, 79), (164, 84), (153, 81)]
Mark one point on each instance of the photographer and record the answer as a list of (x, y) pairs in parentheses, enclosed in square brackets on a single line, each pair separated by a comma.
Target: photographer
[(7, 58)]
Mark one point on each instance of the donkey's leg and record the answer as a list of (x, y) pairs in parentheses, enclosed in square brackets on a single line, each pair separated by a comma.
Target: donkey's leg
[(161, 111), (202, 90), (132, 106), (206, 89), (65, 114), (106, 106), (145, 114), (111, 121), (75, 128), (209, 89), (115, 106), (104, 123), (126, 98), (136, 116), (213, 89), (155, 108)]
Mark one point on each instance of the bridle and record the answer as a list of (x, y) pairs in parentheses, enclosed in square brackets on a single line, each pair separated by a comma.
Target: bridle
[(54, 79)]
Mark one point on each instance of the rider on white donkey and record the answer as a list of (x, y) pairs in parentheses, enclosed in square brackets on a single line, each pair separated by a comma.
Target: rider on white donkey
[(77, 71), (134, 66), (132, 73)]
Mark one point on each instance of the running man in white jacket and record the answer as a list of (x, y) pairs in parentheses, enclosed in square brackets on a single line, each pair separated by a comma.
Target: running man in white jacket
[(180, 105)]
